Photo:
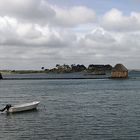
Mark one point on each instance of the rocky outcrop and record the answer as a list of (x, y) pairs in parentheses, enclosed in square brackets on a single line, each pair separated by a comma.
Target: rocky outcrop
[(1, 76)]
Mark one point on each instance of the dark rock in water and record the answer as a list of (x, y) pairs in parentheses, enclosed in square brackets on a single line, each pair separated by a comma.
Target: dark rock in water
[(1, 76)]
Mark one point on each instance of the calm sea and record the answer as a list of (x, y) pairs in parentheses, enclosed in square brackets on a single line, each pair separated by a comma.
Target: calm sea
[(72, 109)]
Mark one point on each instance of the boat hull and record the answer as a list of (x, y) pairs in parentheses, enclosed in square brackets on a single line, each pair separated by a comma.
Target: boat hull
[(23, 107)]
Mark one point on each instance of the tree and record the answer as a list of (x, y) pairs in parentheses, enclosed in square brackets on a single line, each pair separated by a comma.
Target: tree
[(57, 65), (42, 68)]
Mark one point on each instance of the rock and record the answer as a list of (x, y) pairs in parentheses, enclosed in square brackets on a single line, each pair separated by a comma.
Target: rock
[(1, 76)]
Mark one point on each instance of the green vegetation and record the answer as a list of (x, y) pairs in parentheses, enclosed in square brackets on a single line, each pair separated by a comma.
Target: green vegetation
[(20, 71), (91, 69)]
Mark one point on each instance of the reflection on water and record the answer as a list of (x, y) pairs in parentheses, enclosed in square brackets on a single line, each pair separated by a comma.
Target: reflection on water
[(21, 112)]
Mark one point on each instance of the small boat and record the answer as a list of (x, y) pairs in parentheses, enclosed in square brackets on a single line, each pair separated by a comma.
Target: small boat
[(21, 107)]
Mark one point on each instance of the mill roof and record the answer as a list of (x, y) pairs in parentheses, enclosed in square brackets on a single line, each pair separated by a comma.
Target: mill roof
[(119, 67)]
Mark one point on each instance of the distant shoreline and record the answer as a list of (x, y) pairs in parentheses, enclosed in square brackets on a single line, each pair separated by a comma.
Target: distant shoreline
[(52, 78), (63, 76), (45, 72)]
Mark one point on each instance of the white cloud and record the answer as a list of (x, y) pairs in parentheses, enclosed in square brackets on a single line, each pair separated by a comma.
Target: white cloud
[(36, 32), (13, 32), (115, 20), (41, 12), (74, 16), (101, 36), (26, 10)]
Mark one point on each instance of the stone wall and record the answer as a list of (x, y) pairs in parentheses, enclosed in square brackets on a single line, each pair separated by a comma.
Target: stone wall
[(117, 74)]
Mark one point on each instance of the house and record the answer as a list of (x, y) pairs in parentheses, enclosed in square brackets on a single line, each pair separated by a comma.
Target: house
[(99, 69), (119, 71)]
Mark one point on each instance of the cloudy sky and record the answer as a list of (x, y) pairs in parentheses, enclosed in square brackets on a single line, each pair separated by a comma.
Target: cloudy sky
[(36, 33)]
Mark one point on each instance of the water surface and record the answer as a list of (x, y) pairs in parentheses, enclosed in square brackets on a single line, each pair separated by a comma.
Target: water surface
[(72, 109)]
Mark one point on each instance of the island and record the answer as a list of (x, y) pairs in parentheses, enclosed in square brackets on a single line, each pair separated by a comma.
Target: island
[(73, 71)]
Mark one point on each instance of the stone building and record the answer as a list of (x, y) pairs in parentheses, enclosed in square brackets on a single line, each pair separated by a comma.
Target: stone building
[(119, 71)]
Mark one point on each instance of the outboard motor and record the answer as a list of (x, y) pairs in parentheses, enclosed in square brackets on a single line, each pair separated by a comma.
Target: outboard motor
[(7, 107)]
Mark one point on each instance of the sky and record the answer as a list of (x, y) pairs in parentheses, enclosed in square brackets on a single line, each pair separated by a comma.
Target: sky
[(43, 33)]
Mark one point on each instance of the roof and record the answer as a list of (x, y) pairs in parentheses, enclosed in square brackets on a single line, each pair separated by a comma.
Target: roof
[(119, 67)]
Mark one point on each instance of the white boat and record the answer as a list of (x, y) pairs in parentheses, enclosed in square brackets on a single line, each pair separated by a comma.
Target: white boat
[(23, 107)]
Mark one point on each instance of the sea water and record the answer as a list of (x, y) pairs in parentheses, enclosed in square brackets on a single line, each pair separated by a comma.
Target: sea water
[(72, 109)]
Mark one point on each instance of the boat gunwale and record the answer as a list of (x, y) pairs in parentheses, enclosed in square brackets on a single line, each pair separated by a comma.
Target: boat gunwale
[(25, 105)]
